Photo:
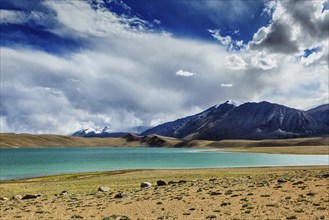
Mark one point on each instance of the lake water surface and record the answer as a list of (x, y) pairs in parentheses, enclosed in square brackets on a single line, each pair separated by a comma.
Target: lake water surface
[(32, 162)]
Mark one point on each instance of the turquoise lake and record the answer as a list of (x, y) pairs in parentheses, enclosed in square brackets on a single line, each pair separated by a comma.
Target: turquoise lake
[(32, 162)]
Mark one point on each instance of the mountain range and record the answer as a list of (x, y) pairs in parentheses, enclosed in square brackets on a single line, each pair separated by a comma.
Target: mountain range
[(107, 132), (253, 121)]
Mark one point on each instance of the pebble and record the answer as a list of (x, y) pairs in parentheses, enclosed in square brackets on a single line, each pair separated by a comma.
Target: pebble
[(104, 189)]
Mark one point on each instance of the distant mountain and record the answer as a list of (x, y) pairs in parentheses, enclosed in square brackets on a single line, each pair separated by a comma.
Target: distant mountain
[(107, 132), (320, 113), (254, 121)]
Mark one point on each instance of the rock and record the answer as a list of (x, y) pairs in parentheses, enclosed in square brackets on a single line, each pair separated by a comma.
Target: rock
[(161, 183), (215, 193), (225, 204), (104, 189), (325, 175), (31, 196), (17, 197), (146, 185), (3, 198), (182, 181), (282, 180), (64, 193), (120, 195), (298, 183)]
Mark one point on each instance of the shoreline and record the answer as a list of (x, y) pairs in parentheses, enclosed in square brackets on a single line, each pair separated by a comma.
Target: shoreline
[(124, 171)]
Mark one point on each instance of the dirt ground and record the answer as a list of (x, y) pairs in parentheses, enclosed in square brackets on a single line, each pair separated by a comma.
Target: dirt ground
[(249, 193)]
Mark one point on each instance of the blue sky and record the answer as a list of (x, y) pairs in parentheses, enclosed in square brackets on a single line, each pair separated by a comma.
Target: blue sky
[(124, 63)]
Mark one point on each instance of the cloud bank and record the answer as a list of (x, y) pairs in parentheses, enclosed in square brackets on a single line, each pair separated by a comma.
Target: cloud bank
[(125, 74)]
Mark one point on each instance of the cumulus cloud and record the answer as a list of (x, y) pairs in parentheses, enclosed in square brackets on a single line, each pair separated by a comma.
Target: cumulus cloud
[(227, 41), (234, 62), (263, 61), (184, 73), (295, 26)]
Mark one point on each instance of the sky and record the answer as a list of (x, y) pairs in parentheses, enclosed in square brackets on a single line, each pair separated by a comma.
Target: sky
[(70, 64)]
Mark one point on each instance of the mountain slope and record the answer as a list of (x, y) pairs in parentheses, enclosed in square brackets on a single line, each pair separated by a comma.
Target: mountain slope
[(262, 120), (320, 113)]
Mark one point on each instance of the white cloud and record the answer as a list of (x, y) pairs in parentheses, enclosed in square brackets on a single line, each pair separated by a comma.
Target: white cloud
[(184, 73), (234, 62), (263, 61), (20, 17), (12, 17), (227, 40), (226, 85)]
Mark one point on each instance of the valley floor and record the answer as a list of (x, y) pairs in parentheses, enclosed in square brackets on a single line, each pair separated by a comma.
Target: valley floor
[(230, 193)]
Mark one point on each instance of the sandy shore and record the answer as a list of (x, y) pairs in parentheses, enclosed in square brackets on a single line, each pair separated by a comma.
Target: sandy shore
[(230, 193)]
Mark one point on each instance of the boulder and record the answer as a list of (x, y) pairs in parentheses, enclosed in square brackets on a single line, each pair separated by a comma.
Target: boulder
[(31, 196), (104, 189), (120, 195), (146, 184), (161, 183)]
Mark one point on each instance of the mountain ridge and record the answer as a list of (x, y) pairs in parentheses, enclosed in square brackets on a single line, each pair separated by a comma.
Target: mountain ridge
[(254, 121)]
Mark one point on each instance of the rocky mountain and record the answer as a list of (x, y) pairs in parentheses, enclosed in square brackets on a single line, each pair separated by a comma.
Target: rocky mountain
[(254, 121)]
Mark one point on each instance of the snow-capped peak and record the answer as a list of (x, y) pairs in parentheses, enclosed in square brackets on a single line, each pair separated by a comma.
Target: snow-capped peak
[(97, 130), (231, 102)]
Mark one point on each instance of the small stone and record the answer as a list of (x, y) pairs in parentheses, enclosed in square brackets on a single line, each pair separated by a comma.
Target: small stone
[(182, 181), (215, 193), (145, 185), (310, 194), (31, 196), (104, 189), (282, 180), (298, 183), (120, 195), (161, 183), (291, 217), (64, 193), (3, 198)]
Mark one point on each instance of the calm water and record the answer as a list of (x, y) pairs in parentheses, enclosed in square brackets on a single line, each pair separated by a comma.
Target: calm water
[(27, 162)]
